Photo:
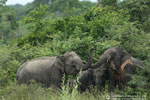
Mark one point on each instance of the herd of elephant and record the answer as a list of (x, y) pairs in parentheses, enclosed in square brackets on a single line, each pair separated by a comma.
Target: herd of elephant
[(114, 66)]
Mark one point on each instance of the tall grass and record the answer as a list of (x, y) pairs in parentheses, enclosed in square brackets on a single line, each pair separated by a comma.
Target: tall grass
[(36, 92)]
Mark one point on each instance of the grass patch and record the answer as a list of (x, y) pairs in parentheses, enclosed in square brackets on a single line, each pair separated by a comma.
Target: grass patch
[(36, 92)]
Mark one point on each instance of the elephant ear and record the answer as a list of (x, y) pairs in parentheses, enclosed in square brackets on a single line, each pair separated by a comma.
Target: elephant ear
[(61, 63)]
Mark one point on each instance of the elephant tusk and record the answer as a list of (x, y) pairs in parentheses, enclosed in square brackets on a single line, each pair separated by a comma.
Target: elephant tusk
[(107, 61)]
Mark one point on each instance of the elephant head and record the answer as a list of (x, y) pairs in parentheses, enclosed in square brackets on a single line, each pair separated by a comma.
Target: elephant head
[(73, 63)]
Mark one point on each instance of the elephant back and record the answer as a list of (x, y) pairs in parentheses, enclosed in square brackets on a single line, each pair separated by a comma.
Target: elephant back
[(36, 65)]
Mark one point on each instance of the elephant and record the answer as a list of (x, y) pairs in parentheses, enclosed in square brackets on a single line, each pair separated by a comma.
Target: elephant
[(86, 80), (118, 64), (121, 77), (117, 57), (100, 75), (93, 77), (50, 70), (101, 70)]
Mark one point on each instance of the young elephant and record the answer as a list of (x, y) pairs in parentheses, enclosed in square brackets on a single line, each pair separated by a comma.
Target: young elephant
[(86, 80), (101, 75), (50, 70), (93, 77)]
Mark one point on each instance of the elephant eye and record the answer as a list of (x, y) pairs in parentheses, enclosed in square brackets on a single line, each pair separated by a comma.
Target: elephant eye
[(72, 62)]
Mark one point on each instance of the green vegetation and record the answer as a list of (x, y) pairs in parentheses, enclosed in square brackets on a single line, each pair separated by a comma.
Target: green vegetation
[(51, 28)]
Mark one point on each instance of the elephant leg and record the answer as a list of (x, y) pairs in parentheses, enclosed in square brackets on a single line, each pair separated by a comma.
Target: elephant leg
[(112, 81), (112, 85), (99, 84), (100, 80)]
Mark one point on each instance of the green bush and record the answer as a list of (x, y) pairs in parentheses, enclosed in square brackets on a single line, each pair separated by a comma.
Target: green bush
[(98, 27)]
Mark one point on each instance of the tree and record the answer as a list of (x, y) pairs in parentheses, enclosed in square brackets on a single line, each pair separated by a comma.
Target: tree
[(107, 2), (139, 10), (36, 18), (2, 2), (7, 22)]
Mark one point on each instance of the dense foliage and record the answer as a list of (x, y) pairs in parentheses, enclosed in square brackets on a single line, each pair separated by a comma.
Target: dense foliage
[(49, 30), (7, 22)]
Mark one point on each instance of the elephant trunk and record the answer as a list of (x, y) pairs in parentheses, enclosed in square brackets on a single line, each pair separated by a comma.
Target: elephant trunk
[(87, 65), (103, 59)]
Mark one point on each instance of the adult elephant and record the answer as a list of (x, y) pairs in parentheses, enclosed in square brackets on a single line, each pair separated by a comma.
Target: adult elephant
[(50, 70), (118, 63)]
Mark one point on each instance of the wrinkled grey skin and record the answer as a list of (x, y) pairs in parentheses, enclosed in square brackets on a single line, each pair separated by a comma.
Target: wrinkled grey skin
[(117, 56), (100, 76), (86, 80), (103, 70), (131, 69), (136, 65), (93, 77), (113, 54), (112, 59), (50, 70)]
